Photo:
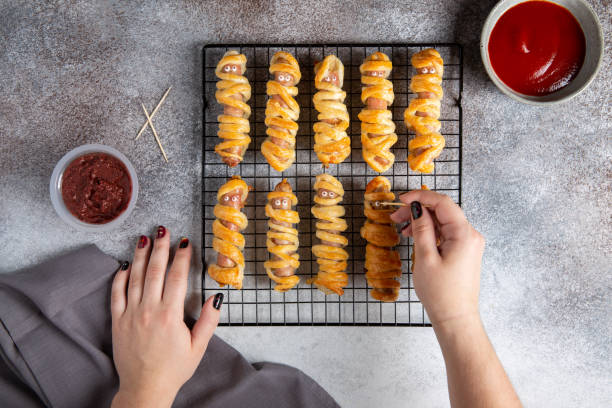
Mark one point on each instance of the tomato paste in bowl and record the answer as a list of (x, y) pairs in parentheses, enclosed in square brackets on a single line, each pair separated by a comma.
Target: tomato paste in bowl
[(542, 52), (94, 188), (537, 48)]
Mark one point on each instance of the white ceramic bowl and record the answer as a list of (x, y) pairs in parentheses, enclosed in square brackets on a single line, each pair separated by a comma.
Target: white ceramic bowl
[(55, 188), (593, 35)]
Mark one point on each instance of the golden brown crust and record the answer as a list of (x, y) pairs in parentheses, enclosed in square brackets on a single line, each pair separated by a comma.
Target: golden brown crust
[(226, 242), (377, 126), (282, 239), (382, 263), (282, 113), (233, 90), (332, 259), (423, 112), (332, 144)]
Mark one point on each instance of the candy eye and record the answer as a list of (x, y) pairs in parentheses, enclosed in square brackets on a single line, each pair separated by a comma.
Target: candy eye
[(281, 77), (326, 79), (334, 77), (376, 204), (234, 198), (332, 194), (285, 202), (226, 198), (277, 202), (432, 70), (323, 193), (226, 68), (234, 68)]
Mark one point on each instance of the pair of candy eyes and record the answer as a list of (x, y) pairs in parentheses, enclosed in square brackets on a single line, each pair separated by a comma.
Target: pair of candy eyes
[(376, 73), (425, 70), (279, 202), (285, 77), (234, 198), (229, 68), (331, 194), (330, 78)]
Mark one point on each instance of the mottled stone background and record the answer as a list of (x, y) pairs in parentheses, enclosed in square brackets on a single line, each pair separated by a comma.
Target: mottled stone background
[(536, 180)]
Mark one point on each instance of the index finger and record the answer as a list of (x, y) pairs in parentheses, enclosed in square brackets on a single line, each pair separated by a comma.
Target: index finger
[(449, 215)]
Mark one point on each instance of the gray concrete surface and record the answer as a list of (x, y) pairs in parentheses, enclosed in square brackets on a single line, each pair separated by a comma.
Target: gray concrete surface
[(536, 180)]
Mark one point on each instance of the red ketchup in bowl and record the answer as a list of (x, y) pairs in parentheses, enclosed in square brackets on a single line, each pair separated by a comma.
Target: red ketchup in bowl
[(536, 47)]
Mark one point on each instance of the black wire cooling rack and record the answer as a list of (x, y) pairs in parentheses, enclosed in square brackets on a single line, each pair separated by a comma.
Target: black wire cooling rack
[(257, 303)]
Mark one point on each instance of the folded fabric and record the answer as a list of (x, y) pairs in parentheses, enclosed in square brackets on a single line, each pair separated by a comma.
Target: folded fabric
[(56, 350)]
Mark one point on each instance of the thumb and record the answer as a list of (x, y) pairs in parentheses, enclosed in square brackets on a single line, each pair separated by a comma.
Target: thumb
[(207, 323), (423, 232)]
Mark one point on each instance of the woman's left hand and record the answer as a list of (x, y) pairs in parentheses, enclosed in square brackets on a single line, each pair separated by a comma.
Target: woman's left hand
[(155, 353)]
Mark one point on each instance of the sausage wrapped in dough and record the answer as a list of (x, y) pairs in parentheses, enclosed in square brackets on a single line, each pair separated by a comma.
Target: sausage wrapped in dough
[(282, 239), (228, 241)]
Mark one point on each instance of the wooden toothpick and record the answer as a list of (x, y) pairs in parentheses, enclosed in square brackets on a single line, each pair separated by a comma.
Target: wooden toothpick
[(154, 132), (159, 104)]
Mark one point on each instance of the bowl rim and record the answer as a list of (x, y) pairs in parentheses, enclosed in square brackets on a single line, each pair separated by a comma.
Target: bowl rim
[(484, 54), (56, 196)]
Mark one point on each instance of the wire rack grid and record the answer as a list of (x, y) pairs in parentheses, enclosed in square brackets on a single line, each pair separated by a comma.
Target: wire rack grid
[(257, 303)]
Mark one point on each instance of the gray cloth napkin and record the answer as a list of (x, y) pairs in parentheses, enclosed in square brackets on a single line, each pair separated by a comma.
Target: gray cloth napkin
[(55, 347)]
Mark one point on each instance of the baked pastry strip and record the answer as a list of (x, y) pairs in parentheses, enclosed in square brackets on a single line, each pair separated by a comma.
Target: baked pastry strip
[(423, 112), (330, 253), (282, 111), (227, 240), (332, 144), (233, 91), (377, 126), (282, 239), (382, 263)]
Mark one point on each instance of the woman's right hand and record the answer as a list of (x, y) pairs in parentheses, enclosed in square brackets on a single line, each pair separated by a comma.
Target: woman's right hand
[(446, 276)]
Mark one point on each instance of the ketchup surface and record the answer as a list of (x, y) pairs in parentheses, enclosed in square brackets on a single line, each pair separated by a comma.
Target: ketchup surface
[(96, 188), (537, 47)]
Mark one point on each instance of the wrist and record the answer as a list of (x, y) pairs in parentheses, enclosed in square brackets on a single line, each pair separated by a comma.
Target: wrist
[(460, 324), (142, 398)]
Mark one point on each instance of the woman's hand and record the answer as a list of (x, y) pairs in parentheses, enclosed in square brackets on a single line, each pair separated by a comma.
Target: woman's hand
[(155, 353), (446, 276), (447, 256)]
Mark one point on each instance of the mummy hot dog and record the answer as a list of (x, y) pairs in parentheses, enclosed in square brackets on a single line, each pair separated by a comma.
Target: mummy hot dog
[(282, 239), (332, 144), (423, 112), (331, 257), (377, 127), (382, 263), (233, 91), (282, 112), (228, 241)]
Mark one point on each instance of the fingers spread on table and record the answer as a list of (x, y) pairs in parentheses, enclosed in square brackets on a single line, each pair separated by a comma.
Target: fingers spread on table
[(137, 271), (118, 301), (156, 270), (175, 288), (207, 323)]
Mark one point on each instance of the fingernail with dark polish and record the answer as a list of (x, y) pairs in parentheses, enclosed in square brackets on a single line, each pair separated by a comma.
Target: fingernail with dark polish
[(125, 265), (416, 209), (142, 242), (218, 301), (161, 231), (184, 242)]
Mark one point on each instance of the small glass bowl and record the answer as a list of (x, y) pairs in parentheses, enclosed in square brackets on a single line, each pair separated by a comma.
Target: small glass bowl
[(55, 188)]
